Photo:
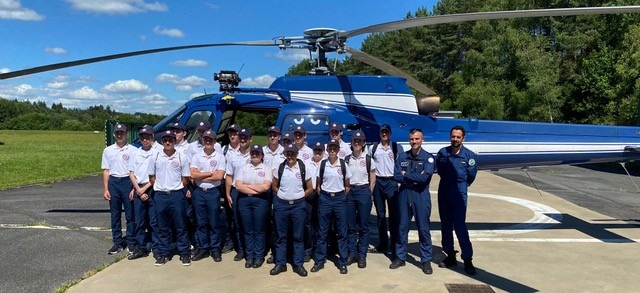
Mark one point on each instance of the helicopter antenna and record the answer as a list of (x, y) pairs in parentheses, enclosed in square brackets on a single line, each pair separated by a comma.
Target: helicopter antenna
[(239, 70)]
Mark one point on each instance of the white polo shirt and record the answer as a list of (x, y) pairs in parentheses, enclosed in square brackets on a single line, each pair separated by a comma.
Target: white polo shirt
[(208, 163), (235, 162), (157, 146), (358, 168), (182, 148), (195, 148), (271, 156), (333, 180), (169, 171), (305, 154), (140, 164), (250, 174), (117, 160), (291, 183), (313, 168), (385, 160)]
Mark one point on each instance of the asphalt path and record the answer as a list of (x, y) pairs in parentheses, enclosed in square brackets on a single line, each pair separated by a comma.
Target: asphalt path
[(603, 188), (40, 259)]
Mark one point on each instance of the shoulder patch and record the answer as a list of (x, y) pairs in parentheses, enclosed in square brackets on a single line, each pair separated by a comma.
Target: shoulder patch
[(430, 160), (472, 162)]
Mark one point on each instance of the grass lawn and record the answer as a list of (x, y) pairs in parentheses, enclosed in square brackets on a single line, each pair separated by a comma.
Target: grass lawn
[(29, 156), (35, 156)]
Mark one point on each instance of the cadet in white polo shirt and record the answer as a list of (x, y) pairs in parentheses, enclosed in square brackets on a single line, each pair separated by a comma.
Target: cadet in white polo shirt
[(305, 153), (362, 182), (234, 163), (333, 187), (273, 150), (207, 170), (144, 210), (335, 132), (117, 188), (169, 175), (291, 184), (253, 183)]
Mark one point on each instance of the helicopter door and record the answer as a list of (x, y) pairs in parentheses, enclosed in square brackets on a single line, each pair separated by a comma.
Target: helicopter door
[(192, 122)]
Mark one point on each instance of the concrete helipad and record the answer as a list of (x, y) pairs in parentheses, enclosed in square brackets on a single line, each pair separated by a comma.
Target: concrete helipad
[(523, 241)]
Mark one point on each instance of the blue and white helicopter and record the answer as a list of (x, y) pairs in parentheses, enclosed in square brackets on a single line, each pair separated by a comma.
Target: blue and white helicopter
[(365, 102)]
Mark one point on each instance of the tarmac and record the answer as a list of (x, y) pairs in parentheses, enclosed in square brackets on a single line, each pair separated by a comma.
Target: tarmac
[(524, 241)]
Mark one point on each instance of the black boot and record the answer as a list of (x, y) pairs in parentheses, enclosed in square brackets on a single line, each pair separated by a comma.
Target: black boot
[(449, 261), (469, 268)]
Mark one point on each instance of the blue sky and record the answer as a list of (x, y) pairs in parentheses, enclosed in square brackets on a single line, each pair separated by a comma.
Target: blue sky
[(37, 32)]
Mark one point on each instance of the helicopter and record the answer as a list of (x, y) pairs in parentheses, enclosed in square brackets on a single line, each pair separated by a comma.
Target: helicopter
[(365, 102)]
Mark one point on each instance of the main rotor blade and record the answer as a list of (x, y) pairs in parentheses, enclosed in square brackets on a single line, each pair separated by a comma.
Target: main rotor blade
[(124, 55), (453, 18), (391, 70)]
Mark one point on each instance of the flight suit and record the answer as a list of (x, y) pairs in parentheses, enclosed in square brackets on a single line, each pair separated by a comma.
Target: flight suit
[(457, 172), (414, 200)]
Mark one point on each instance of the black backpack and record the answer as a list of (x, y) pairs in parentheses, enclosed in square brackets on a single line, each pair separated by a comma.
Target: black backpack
[(394, 149), (303, 172), (368, 159)]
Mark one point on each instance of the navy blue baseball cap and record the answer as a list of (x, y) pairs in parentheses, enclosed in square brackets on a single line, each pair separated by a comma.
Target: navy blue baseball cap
[(299, 129), (234, 127), (335, 126), (318, 146), (385, 127), (203, 125), (146, 129), (291, 148), (244, 132), (177, 125), (274, 129), (209, 133), (358, 134), (333, 142), (256, 148), (168, 133), (120, 127), (287, 136)]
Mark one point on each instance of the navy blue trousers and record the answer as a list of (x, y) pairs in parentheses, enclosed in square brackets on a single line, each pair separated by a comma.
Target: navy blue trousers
[(329, 208), (289, 214), (383, 192), (414, 204), (207, 211), (359, 201), (452, 206), (170, 207), (254, 214), (119, 189), (146, 221)]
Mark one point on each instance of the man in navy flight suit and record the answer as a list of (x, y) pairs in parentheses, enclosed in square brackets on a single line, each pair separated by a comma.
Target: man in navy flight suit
[(413, 171), (457, 168)]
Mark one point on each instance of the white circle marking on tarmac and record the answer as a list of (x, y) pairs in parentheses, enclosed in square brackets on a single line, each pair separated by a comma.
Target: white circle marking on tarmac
[(544, 217)]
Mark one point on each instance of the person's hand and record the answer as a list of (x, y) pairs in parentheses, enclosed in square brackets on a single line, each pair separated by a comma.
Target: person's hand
[(106, 195)]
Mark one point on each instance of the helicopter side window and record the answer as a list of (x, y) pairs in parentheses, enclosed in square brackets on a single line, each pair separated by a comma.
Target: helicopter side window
[(313, 123), (193, 121)]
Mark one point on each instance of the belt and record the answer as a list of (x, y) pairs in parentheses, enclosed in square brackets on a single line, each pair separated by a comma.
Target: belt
[(385, 177), (332, 194), (261, 195), (168, 192), (291, 202), (360, 186)]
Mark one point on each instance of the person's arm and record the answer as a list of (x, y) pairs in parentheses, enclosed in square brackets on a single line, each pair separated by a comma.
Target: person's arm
[(372, 180), (105, 182), (423, 174), (309, 189), (472, 169)]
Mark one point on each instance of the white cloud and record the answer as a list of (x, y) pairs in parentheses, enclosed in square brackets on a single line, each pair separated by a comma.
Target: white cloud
[(155, 99), (117, 6), (55, 50), (190, 63), (182, 84), (84, 93), (212, 5), (4, 70), (56, 85), (12, 9), (173, 32), (291, 55), (127, 86), (260, 81)]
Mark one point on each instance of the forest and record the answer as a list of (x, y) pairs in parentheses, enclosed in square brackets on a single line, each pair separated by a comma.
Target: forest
[(578, 69)]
